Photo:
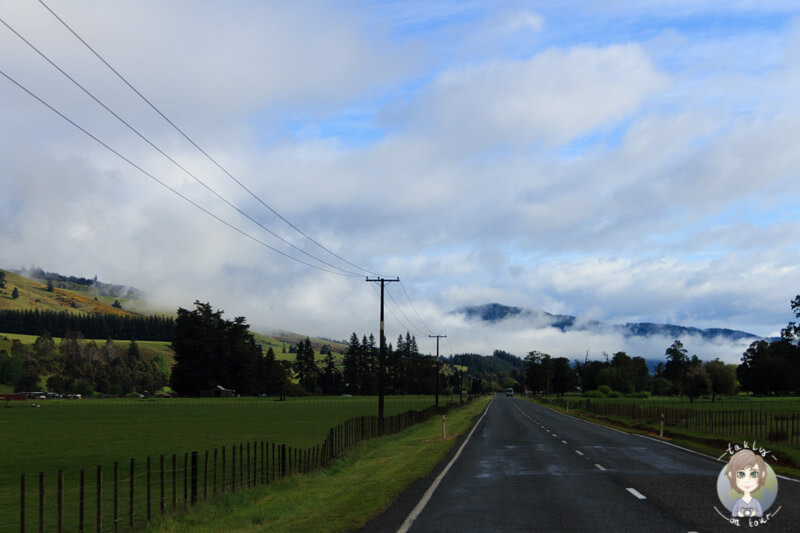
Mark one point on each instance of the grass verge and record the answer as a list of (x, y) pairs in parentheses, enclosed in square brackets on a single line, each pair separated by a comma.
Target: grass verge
[(343, 497)]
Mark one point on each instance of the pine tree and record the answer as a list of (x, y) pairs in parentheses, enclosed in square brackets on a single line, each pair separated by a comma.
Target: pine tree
[(352, 365), (306, 367)]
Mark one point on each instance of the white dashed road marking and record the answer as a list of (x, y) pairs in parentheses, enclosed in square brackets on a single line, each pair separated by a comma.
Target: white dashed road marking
[(636, 493), (579, 452), (599, 467)]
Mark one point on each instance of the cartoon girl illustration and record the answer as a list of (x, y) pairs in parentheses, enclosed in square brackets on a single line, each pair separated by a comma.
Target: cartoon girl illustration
[(746, 472)]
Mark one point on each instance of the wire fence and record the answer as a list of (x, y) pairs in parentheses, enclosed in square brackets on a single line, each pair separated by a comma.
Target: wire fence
[(759, 424), (133, 493)]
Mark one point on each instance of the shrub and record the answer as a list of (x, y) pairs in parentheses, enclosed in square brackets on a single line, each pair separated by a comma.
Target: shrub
[(605, 390), (593, 394), (614, 394)]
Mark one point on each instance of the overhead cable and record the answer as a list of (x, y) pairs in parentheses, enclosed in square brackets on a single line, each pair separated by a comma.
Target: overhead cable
[(167, 156), (160, 182), (193, 143)]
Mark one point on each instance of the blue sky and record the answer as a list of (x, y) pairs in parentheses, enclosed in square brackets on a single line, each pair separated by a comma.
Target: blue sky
[(617, 161)]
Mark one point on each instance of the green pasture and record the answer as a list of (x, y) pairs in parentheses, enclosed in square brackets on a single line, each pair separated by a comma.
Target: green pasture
[(147, 349), (70, 435), (345, 496), (776, 404)]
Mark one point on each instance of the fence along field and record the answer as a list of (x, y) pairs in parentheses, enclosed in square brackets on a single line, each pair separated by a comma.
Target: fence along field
[(141, 452), (774, 420)]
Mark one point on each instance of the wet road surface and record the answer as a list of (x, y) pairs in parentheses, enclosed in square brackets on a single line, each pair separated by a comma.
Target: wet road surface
[(529, 468)]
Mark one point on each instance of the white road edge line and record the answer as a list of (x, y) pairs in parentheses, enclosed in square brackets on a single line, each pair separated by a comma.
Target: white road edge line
[(416, 511), (712, 459), (636, 493)]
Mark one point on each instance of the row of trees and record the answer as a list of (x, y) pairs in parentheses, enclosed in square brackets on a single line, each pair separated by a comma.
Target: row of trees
[(80, 367), (212, 352), (58, 323), (678, 375), (766, 368), (774, 367)]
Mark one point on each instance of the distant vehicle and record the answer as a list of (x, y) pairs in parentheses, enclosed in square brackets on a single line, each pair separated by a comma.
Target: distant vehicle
[(509, 392)]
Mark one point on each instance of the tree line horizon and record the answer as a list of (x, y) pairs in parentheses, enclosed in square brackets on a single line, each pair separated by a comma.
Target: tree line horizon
[(212, 352)]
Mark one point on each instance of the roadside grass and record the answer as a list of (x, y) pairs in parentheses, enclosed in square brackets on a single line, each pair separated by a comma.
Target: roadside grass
[(713, 445), (71, 435), (343, 497)]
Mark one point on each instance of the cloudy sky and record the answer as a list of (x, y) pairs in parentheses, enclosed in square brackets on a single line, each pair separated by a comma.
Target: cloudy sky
[(615, 160)]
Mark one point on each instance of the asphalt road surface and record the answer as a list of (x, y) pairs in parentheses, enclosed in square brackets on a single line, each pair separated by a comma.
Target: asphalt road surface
[(529, 468)]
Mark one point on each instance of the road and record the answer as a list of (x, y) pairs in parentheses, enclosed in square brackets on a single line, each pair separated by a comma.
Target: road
[(529, 468)]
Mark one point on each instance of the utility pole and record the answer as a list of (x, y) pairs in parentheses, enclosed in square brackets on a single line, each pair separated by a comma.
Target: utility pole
[(437, 364), (382, 354)]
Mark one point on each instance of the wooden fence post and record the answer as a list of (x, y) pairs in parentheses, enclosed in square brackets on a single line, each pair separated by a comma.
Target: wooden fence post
[(185, 479), (223, 469), (116, 497), (41, 502), (99, 498), (283, 461), (163, 500), (60, 502), (174, 482), (149, 483), (81, 494), (205, 477), (22, 503), (194, 478), (233, 470), (131, 494)]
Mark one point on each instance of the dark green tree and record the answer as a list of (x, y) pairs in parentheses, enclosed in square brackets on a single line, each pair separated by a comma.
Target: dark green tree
[(565, 379), (538, 372), (305, 366), (722, 378), (677, 365), (211, 351), (331, 380), (792, 331), (696, 382), (352, 365)]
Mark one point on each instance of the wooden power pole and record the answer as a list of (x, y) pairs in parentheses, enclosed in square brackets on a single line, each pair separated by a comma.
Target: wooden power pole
[(381, 354), (437, 364)]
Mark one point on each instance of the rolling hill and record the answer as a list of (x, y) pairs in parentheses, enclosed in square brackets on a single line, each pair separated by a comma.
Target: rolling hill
[(495, 312), (35, 294)]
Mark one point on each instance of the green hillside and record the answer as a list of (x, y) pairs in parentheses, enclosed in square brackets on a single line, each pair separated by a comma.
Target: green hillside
[(34, 295)]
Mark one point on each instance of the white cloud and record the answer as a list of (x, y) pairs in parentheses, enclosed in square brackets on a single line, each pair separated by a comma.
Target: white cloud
[(618, 166), (552, 98)]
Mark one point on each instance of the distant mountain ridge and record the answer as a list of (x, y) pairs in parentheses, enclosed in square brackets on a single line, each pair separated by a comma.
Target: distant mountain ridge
[(495, 312)]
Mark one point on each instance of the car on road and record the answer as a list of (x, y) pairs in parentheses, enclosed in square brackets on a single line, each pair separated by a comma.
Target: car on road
[(509, 392)]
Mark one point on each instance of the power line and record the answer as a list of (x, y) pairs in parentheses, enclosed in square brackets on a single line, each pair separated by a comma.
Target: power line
[(167, 156), (160, 182), (424, 325), (193, 143), (408, 324)]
